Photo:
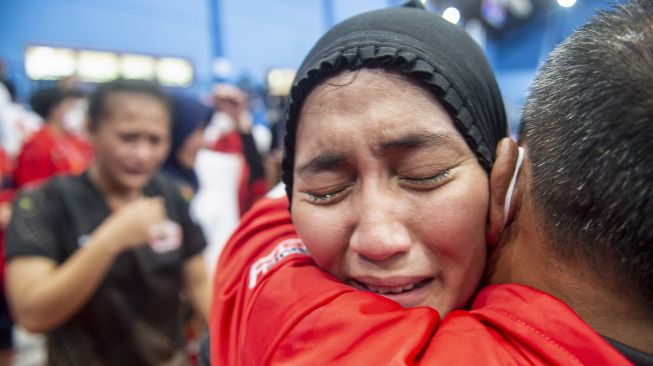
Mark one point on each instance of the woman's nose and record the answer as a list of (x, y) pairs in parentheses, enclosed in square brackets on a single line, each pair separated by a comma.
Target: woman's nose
[(381, 232), (142, 150)]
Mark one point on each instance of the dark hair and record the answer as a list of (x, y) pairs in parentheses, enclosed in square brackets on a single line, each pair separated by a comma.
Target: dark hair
[(588, 125), (98, 106), (44, 101)]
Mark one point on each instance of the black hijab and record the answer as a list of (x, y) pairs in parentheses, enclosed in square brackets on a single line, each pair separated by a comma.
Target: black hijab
[(420, 44)]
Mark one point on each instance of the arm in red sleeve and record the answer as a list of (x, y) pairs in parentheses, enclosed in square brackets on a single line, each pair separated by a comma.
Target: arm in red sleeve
[(328, 323)]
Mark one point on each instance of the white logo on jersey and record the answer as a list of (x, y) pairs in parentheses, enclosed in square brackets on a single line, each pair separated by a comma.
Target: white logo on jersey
[(285, 249)]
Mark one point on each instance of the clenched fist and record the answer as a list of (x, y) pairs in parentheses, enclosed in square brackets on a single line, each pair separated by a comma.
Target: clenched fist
[(131, 225)]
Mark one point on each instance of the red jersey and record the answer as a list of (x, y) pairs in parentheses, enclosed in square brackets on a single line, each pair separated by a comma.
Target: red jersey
[(6, 166), (273, 305), (46, 154)]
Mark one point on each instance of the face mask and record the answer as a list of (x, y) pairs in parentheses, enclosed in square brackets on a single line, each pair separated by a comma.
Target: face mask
[(511, 186), (73, 120)]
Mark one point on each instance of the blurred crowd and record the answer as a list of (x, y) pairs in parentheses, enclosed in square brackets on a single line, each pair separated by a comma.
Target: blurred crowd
[(221, 149)]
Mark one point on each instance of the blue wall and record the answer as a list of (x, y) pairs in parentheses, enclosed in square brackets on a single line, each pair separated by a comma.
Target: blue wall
[(516, 56), (154, 27), (253, 35), (261, 34)]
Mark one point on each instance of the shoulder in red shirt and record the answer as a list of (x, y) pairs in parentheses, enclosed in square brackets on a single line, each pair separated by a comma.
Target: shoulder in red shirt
[(46, 154)]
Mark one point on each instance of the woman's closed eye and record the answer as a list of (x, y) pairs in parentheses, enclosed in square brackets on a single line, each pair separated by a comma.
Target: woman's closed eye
[(426, 182), (325, 197), (128, 137)]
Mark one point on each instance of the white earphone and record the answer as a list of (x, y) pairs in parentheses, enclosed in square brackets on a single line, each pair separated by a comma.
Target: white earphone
[(511, 187)]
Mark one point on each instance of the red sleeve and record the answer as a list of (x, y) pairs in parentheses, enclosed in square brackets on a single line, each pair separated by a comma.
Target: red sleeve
[(270, 298), (6, 165), (34, 163), (328, 323), (229, 143), (262, 228)]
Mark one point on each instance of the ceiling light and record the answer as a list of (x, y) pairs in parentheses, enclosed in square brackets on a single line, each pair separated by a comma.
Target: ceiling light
[(452, 15), (566, 3)]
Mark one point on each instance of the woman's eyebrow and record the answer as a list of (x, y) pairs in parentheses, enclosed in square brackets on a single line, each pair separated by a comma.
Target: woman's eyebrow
[(416, 139), (320, 163), (411, 140)]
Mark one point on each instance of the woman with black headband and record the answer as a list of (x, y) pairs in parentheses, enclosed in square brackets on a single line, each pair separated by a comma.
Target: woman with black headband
[(392, 125), (391, 131)]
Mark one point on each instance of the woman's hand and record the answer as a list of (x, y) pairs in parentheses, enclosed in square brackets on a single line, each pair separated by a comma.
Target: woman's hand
[(131, 226)]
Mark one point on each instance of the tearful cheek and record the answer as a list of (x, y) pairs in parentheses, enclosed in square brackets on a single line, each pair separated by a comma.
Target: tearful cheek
[(324, 233), (452, 221)]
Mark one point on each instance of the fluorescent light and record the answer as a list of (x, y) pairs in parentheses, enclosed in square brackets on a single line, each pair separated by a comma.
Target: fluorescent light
[(280, 81), (172, 71), (137, 67), (566, 3), (49, 63), (97, 66), (452, 15)]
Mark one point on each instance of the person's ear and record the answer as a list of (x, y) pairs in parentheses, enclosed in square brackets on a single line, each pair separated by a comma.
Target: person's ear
[(503, 180)]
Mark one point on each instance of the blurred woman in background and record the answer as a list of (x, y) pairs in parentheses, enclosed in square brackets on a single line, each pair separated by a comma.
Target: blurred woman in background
[(211, 181), (189, 119), (97, 261)]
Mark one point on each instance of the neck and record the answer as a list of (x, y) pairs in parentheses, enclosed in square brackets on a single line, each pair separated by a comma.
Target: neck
[(115, 196), (523, 257), (609, 312)]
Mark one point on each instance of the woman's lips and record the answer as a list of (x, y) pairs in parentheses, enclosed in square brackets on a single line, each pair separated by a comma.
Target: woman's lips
[(406, 292), (137, 172)]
